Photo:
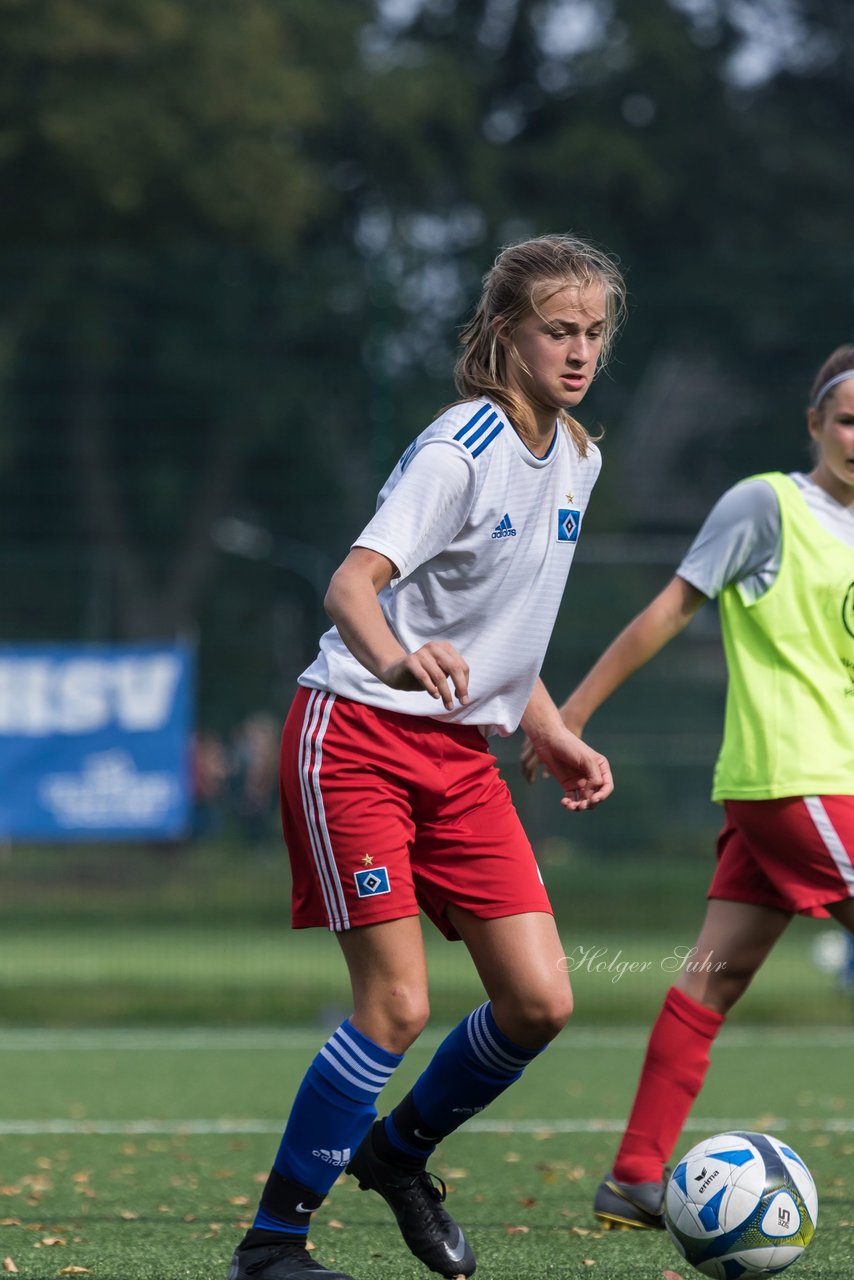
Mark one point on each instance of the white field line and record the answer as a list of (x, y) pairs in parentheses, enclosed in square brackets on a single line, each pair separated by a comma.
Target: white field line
[(501, 1128), (266, 1040), (254, 1039)]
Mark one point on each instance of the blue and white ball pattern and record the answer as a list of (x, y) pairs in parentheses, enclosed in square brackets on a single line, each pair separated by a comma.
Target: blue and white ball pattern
[(741, 1204)]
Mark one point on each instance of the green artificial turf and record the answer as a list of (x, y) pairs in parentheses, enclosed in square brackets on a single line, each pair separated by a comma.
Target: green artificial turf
[(139, 1155)]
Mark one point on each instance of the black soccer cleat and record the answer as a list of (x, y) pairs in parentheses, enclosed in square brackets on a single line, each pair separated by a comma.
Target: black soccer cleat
[(286, 1261), (630, 1204), (416, 1200)]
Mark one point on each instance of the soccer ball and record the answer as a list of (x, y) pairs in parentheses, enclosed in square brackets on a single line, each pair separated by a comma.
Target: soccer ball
[(741, 1204)]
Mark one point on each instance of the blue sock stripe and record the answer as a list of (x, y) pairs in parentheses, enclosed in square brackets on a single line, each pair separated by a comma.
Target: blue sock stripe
[(268, 1223), (483, 1036), (334, 1108), (353, 1069), (359, 1082), (385, 1069)]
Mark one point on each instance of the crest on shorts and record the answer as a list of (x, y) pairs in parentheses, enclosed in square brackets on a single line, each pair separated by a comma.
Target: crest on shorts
[(372, 882)]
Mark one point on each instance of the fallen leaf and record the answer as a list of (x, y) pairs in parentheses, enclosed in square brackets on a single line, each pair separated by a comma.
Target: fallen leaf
[(527, 1202), (580, 1231), (588, 1262), (128, 1215), (517, 1231), (9, 1266), (74, 1271), (37, 1182), (335, 1224)]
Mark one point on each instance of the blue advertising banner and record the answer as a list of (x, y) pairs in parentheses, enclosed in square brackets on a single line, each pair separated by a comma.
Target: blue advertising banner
[(94, 741)]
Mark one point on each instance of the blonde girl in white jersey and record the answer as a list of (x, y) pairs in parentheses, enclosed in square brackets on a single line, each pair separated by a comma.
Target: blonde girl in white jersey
[(392, 802)]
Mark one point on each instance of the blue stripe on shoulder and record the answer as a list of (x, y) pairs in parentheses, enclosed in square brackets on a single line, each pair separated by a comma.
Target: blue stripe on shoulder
[(475, 428), (407, 456), (488, 441), (481, 411)]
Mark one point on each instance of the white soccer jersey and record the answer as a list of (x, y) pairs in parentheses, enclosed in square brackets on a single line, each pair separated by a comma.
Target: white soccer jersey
[(482, 533)]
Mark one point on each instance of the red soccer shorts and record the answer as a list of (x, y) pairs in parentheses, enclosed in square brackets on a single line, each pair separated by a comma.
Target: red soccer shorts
[(796, 854), (384, 814)]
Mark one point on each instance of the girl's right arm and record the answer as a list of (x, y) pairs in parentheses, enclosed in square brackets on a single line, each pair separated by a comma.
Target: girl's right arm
[(661, 620), (352, 604)]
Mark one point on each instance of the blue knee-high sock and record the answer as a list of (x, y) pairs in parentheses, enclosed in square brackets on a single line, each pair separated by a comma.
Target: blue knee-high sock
[(472, 1066), (334, 1107)]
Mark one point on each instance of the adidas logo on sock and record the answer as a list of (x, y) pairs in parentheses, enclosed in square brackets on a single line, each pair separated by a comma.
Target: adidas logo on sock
[(504, 529), (333, 1157)]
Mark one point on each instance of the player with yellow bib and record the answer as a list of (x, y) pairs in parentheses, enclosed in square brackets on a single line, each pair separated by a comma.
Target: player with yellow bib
[(777, 551)]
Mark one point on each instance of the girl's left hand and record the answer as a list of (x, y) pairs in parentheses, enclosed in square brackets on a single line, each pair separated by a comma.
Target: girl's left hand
[(583, 774)]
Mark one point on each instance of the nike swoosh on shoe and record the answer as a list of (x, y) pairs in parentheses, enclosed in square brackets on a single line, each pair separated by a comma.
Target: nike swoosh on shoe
[(456, 1254)]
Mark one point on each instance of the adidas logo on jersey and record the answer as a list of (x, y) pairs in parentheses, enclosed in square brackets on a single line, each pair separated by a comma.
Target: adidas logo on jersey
[(333, 1157), (504, 529)]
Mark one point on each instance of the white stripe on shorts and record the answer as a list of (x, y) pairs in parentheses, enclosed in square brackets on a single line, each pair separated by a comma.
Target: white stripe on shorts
[(832, 840), (319, 709)]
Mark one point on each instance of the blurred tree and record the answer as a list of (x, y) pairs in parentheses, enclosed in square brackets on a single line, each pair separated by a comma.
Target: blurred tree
[(162, 187), (162, 120)]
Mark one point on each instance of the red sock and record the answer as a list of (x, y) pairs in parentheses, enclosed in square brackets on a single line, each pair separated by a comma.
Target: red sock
[(677, 1058)]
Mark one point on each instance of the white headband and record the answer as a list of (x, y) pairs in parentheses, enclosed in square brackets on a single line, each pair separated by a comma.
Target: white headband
[(830, 384)]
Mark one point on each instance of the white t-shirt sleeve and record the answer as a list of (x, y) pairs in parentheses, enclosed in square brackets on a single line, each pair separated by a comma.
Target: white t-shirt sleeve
[(422, 509), (739, 540)]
